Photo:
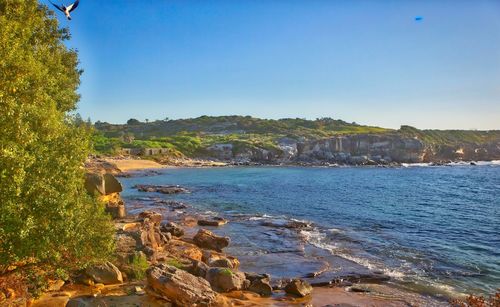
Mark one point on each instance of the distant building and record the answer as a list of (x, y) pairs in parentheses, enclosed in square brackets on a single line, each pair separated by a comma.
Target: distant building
[(145, 151)]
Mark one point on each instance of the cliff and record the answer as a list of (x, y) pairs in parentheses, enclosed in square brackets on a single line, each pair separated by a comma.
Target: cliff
[(241, 139)]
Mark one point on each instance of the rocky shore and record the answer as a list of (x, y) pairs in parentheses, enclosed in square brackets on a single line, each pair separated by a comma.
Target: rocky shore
[(165, 257)]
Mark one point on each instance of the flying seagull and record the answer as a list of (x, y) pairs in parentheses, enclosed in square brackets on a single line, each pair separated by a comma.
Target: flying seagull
[(66, 9)]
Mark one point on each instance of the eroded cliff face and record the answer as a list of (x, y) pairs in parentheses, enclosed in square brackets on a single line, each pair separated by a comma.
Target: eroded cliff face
[(360, 149)]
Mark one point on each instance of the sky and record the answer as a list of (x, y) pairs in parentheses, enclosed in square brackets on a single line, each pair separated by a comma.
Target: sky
[(367, 61)]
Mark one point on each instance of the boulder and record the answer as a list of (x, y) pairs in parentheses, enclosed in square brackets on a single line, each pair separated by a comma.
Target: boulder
[(164, 189), (298, 287), (181, 249), (213, 222), (261, 286), (179, 287), (114, 205), (225, 280), (154, 217), (94, 184), (222, 263), (207, 239), (173, 229), (111, 184), (216, 259), (260, 283), (198, 268), (106, 273)]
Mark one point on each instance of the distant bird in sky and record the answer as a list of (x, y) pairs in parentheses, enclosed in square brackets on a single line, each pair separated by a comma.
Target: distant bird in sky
[(66, 9), (419, 18)]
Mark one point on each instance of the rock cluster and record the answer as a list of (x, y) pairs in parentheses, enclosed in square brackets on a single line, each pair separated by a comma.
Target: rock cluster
[(164, 189), (108, 189), (207, 239)]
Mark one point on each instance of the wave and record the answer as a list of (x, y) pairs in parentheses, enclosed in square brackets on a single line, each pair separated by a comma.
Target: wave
[(319, 239), (457, 163)]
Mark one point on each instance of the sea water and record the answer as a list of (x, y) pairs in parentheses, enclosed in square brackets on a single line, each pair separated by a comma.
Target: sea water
[(431, 229)]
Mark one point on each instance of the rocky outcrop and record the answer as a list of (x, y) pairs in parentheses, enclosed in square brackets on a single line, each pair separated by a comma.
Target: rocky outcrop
[(260, 284), (225, 280), (172, 228), (179, 287), (207, 239), (215, 222), (359, 149), (106, 273), (107, 189), (164, 189), (298, 287)]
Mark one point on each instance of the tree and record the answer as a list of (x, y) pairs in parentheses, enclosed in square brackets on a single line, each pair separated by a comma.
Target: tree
[(46, 217), (133, 121)]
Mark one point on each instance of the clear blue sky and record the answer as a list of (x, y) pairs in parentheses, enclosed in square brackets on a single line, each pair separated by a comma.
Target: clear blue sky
[(364, 61)]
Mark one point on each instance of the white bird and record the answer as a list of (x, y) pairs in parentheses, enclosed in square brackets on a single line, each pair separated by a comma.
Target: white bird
[(66, 9)]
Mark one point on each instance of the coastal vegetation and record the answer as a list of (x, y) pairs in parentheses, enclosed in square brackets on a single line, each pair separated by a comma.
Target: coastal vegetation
[(191, 137), (48, 223)]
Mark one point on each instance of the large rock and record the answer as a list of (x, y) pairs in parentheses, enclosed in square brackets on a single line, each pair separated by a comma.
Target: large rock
[(180, 287), (216, 259), (94, 184), (198, 268), (102, 184), (260, 283), (262, 287), (207, 239), (154, 217), (114, 205), (217, 221), (172, 228), (225, 280), (298, 287), (181, 249), (164, 189), (106, 273), (111, 184)]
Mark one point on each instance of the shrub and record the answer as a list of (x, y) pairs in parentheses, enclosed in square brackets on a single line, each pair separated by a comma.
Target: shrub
[(138, 266), (46, 217)]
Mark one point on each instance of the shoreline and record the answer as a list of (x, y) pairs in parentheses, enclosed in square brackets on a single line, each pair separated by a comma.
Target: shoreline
[(356, 293), (136, 165), (367, 291)]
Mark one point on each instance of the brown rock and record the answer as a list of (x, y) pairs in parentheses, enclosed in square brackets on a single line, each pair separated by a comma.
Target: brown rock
[(164, 189), (215, 222), (106, 273), (154, 217), (298, 287), (225, 280), (94, 184), (180, 287), (198, 268), (262, 287), (216, 259), (111, 184), (207, 239), (184, 249), (172, 228)]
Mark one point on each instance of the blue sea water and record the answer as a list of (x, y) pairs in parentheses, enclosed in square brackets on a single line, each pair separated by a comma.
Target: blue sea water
[(432, 229)]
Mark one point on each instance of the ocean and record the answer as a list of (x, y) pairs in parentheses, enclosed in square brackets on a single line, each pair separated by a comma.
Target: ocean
[(433, 230)]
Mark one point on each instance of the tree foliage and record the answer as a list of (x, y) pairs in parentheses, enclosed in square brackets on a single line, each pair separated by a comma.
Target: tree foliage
[(46, 217)]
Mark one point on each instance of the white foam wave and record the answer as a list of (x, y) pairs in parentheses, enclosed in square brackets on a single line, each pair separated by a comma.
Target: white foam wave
[(317, 238)]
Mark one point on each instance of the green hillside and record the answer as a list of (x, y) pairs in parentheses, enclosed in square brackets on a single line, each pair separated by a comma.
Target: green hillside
[(190, 137)]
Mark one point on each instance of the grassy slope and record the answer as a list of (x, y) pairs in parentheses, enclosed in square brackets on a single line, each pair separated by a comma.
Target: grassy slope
[(191, 136)]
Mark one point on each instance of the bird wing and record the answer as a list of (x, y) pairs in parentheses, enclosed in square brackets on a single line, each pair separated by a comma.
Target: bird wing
[(56, 6), (72, 7)]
